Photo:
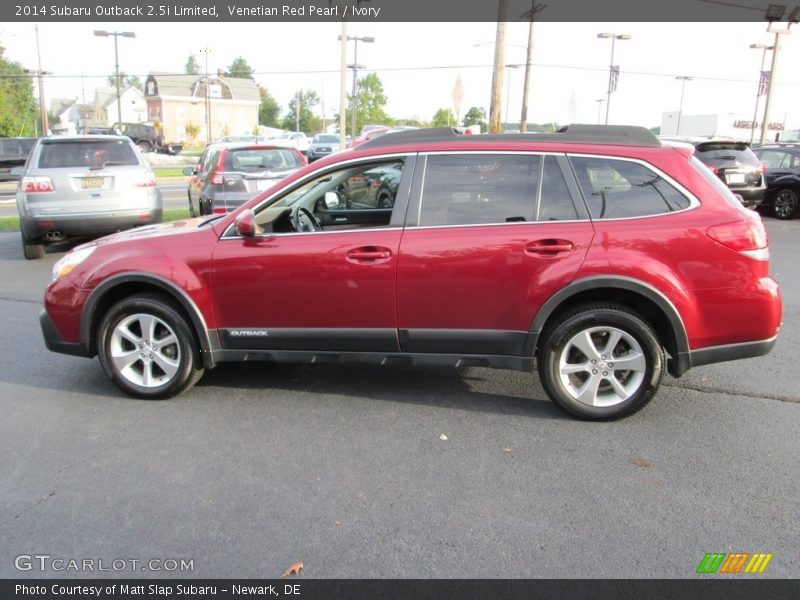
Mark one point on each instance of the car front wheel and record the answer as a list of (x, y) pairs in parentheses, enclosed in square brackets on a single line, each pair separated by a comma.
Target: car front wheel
[(601, 362), (147, 349), (784, 205)]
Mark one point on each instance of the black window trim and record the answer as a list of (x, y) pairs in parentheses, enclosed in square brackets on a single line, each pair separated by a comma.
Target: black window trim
[(415, 205), (694, 202)]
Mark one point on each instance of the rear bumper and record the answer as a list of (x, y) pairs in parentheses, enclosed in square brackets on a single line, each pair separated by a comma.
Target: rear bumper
[(35, 228), (724, 353), (751, 197)]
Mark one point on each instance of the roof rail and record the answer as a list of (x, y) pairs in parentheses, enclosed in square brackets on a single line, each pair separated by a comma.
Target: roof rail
[(623, 135)]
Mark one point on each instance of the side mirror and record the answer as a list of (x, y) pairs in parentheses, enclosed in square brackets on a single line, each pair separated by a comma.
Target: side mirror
[(16, 172), (332, 200), (189, 171), (245, 224)]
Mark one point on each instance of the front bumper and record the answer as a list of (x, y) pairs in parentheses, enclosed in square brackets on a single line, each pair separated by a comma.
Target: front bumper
[(54, 341)]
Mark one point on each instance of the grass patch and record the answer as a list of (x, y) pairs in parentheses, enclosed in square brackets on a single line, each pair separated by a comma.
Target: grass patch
[(168, 171), (174, 214)]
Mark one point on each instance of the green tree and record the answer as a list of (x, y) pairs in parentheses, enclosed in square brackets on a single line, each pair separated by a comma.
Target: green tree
[(192, 131), (191, 67), (444, 117), (308, 121), (19, 111), (370, 103), (268, 110), (125, 81), (240, 68), (476, 116)]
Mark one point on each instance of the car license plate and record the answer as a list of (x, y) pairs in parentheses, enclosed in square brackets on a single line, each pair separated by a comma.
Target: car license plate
[(735, 177), (92, 183)]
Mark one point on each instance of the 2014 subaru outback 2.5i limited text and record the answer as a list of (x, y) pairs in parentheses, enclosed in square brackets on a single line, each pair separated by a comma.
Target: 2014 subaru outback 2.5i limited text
[(597, 254)]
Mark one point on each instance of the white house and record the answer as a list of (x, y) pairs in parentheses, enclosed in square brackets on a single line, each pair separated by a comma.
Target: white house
[(134, 107)]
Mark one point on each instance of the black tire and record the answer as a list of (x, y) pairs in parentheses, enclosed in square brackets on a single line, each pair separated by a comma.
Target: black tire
[(592, 327), (32, 250), (785, 203), (144, 147), (118, 328)]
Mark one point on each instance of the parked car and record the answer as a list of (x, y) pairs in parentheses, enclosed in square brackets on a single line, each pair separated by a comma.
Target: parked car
[(597, 254), (84, 186), (782, 171), (291, 139), (322, 145), (148, 138), (381, 184), (229, 174), (735, 164), (371, 134), (13, 153)]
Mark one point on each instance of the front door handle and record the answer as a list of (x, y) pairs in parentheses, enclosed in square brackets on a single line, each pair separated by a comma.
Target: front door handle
[(369, 255)]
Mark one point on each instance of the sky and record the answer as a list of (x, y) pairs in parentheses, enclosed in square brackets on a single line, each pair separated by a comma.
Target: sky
[(419, 63)]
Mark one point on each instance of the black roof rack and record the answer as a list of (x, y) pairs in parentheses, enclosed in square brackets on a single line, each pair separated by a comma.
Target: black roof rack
[(623, 135)]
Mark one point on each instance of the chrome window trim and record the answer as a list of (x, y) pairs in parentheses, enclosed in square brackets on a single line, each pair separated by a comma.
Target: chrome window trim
[(229, 232)]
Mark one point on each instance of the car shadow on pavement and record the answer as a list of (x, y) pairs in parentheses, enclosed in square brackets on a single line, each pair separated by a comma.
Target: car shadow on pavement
[(459, 389)]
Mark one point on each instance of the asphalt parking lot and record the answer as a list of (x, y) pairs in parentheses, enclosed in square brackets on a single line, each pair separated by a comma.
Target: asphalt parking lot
[(346, 470)]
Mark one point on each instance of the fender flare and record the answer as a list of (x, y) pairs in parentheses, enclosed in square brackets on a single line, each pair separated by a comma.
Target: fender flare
[(198, 323), (681, 362)]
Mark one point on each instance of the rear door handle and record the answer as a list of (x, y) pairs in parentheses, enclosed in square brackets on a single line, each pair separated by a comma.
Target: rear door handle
[(549, 246)]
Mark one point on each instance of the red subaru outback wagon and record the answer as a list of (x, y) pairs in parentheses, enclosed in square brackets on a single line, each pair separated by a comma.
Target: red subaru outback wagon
[(598, 254)]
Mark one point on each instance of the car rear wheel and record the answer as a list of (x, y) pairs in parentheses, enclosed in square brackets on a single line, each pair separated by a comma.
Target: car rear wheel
[(784, 205), (601, 362), (32, 250), (144, 147), (147, 348), (385, 199)]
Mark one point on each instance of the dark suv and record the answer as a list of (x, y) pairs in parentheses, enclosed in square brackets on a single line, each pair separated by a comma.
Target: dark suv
[(782, 170), (737, 166), (598, 254)]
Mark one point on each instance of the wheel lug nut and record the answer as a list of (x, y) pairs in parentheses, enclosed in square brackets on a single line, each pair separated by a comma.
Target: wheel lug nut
[(610, 365), (605, 373), (603, 357), (594, 371), (594, 362)]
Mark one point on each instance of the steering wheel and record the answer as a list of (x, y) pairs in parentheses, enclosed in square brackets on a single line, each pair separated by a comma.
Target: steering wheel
[(304, 220)]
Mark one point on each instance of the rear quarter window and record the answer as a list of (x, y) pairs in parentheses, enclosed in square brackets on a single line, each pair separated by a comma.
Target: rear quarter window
[(619, 189)]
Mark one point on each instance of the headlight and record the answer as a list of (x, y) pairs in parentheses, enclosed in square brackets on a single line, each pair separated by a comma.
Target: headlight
[(70, 261)]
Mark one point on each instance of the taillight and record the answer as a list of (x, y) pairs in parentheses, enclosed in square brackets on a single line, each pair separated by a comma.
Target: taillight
[(146, 181), (216, 176), (747, 236), (36, 185), (762, 168)]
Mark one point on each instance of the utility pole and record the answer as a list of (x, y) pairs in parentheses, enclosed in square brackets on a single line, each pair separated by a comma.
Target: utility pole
[(205, 51), (523, 120), (496, 105), (39, 73), (343, 88), (776, 46)]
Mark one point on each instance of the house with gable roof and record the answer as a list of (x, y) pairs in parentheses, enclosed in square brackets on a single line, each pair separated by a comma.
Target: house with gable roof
[(217, 104)]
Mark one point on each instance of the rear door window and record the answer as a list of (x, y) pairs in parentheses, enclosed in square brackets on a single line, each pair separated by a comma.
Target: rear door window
[(485, 189), (617, 189)]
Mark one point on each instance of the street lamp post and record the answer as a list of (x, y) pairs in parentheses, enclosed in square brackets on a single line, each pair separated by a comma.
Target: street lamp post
[(683, 79), (116, 34), (355, 66), (764, 48), (614, 37), (599, 108), (206, 50)]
